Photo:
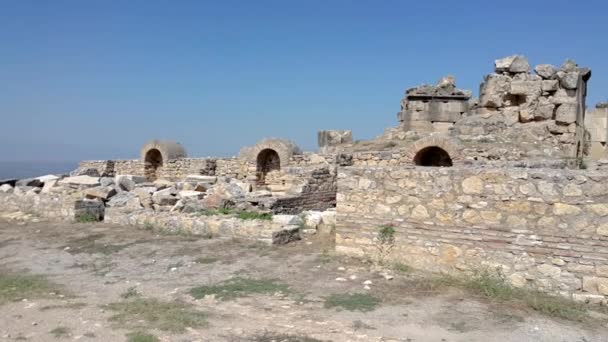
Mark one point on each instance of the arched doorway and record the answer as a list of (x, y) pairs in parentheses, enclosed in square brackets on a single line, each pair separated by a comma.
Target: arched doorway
[(433, 156), (153, 160), (268, 160)]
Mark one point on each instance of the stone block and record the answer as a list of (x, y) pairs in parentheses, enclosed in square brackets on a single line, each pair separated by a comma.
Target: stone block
[(512, 64), (565, 114), (6, 188), (286, 235), (128, 182), (30, 182), (472, 185), (89, 209), (84, 181), (549, 85), (546, 71), (165, 197), (125, 200), (286, 220), (569, 80), (102, 192)]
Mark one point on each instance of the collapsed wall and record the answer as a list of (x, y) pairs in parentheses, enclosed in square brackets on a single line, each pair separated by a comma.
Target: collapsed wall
[(543, 228)]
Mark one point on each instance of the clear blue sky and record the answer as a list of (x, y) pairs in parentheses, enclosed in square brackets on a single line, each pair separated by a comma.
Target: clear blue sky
[(96, 79)]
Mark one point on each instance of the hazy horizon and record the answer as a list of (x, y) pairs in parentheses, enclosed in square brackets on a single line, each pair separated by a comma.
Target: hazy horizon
[(96, 80)]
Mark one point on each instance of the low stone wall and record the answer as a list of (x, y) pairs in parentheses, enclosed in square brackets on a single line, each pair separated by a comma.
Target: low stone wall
[(105, 168), (541, 227), (212, 226), (232, 167), (59, 206)]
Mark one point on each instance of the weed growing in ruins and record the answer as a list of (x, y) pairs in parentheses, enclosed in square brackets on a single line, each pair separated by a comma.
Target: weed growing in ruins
[(240, 287), (148, 313), (352, 302), (60, 332), (492, 285), (72, 306), (86, 218), (90, 245), (130, 293), (401, 267), (14, 287), (139, 336), (268, 336), (384, 242), (205, 260)]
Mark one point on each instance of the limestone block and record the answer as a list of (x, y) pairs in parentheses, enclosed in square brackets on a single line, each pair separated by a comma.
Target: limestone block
[(472, 185), (565, 114), (513, 64), (6, 188), (48, 186), (569, 80), (86, 171), (549, 85), (546, 71), (531, 89), (600, 209), (165, 197), (588, 298), (190, 193), (561, 209), (128, 182), (572, 190), (47, 178), (544, 110), (86, 209), (101, 192), (86, 181), (602, 229), (286, 220), (517, 280), (419, 213), (601, 270), (124, 200), (596, 285), (563, 96), (549, 270)]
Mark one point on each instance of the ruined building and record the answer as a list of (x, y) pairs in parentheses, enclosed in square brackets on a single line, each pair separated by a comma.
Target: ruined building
[(513, 182)]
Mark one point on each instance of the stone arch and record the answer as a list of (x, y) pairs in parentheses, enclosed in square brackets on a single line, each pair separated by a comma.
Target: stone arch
[(435, 150), (433, 156), (155, 153), (152, 162), (269, 155), (268, 160)]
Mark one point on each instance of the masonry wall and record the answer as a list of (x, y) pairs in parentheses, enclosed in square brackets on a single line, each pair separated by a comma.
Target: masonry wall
[(541, 227)]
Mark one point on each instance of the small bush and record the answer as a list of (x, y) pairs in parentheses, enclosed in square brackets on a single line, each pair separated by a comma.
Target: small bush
[(130, 292), (384, 242), (352, 302), (86, 218)]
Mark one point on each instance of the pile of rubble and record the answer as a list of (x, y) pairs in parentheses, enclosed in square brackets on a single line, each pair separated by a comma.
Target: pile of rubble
[(126, 194)]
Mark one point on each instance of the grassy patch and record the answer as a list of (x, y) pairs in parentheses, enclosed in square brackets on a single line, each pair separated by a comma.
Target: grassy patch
[(70, 306), (243, 215), (206, 260), (60, 332), (352, 302), (268, 336), (139, 336), (86, 218), (401, 267), (148, 313), (130, 293), (90, 245), (239, 287), (14, 287), (494, 287)]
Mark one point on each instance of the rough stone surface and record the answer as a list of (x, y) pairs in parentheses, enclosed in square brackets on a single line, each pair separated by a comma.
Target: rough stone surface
[(286, 235), (80, 181)]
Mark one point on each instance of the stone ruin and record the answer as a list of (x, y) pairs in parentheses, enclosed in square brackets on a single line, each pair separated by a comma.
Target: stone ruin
[(514, 182)]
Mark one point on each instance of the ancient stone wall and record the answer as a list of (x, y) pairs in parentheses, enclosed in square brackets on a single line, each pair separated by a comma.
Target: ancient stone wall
[(105, 168), (540, 227), (596, 123)]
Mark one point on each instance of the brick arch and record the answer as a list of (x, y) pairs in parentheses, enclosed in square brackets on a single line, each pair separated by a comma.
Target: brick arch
[(452, 147)]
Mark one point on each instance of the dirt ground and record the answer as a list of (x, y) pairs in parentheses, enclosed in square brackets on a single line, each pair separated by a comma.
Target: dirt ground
[(96, 265)]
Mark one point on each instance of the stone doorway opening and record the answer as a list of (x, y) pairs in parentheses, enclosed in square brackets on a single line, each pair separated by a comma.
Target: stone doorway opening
[(268, 160), (153, 161), (433, 156)]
